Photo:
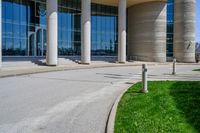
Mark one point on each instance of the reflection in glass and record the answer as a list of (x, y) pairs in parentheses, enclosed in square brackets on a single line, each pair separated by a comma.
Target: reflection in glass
[(31, 44), (18, 23), (69, 27), (104, 30), (24, 28), (44, 42), (39, 43)]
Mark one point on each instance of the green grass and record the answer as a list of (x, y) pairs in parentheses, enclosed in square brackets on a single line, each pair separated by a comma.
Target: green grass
[(169, 107), (196, 70)]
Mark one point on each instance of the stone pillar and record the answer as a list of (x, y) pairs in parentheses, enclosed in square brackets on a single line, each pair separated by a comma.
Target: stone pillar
[(52, 33), (122, 31), (147, 31), (184, 30), (86, 32), (0, 35)]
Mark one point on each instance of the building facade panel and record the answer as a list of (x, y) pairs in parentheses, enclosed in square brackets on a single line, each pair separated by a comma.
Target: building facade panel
[(147, 32), (184, 30)]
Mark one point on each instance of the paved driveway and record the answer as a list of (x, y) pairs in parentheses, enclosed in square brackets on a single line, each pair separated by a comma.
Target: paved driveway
[(76, 101)]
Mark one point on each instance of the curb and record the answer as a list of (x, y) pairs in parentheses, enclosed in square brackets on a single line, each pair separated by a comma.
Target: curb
[(111, 118), (15, 73), (56, 69)]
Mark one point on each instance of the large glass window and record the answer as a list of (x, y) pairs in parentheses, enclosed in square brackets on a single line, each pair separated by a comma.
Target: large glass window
[(104, 30), (24, 28), (69, 27), (20, 19), (170, 27)]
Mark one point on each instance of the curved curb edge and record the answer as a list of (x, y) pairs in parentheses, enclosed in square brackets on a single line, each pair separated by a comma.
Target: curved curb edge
[(111, 118)]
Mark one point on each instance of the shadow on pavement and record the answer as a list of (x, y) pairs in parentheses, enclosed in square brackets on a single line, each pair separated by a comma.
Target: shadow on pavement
[(39, 62)]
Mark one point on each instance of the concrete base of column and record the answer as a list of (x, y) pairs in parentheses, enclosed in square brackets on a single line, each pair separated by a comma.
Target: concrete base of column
[(85, 63), (121, 62), (51, 65)]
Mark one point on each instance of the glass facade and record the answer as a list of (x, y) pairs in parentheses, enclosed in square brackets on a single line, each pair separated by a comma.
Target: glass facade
[(104, 30), (24, 28), (69, 27), (170, 27)]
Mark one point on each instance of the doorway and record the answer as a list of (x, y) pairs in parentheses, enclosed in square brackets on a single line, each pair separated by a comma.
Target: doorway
[(37, 42), (31, 44)]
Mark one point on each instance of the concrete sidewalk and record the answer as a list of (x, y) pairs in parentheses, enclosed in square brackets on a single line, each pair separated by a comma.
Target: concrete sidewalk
[(23, 66)]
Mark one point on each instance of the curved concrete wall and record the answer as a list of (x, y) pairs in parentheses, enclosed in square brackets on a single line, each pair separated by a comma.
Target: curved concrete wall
[(184, 30), (147, 32), (129, 2)]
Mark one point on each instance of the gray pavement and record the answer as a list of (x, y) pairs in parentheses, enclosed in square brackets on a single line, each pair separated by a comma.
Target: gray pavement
[(15, 66), (22, 66), (73, 101)]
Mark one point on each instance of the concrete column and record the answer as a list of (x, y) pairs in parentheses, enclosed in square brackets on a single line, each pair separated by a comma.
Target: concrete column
[(147, 31), (0, 35), (122, 31), (86, 32), (52, 33), (184, 30)]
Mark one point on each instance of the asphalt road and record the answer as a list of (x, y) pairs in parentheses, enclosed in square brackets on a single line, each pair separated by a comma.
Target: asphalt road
[(76, 101)]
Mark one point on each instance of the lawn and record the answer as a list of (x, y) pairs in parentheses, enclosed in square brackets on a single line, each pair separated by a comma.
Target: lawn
[(196, 70), (169, 107)]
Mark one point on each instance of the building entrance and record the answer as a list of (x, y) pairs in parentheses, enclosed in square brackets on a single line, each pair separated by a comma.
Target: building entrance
[(37, 42)]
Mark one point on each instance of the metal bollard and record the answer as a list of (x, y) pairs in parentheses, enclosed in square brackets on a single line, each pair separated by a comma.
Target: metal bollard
[(174, 67), (144, 79)]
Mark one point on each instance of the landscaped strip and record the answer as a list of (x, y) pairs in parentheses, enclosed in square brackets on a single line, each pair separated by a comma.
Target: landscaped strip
[(170, 106), (196, 70)]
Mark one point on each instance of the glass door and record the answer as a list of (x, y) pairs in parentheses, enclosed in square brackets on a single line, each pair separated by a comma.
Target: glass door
[(31, 44), (40, 42), (44, 42), (37, 42)]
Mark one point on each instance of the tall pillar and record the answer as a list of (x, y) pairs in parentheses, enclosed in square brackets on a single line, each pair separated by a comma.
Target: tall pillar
[(0, 35), (147, 31), (52, 33), (184, 30), (86, 32), (122, 31)]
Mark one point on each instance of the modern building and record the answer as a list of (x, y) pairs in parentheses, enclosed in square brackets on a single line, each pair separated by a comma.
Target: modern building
[(146, 30)]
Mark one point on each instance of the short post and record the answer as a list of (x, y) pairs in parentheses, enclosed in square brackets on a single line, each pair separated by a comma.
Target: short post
[(144, 79), (174, 67)]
